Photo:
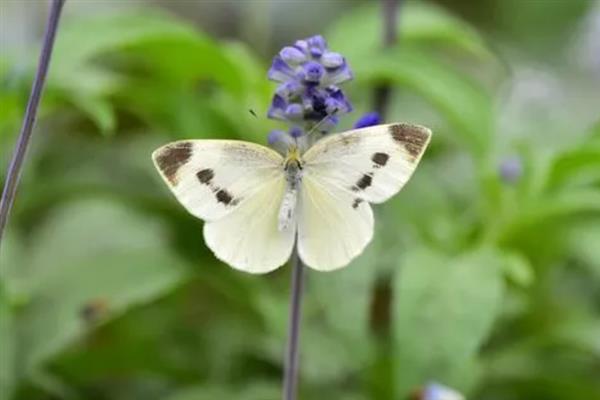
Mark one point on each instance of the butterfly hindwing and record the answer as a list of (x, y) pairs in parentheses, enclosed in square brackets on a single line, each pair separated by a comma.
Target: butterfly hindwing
[(210, 178), (248, 238), (333, 228)]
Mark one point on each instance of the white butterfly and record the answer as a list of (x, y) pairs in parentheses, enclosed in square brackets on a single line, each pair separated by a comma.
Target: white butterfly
[(255, 202)]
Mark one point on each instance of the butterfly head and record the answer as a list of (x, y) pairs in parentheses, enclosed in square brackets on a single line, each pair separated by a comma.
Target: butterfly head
[(293, 159)]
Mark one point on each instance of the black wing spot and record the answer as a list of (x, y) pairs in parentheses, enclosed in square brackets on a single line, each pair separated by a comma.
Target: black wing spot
[(224, 197), (380, 159), (205, 176), (172, 158), (356, 203), (364, 182)]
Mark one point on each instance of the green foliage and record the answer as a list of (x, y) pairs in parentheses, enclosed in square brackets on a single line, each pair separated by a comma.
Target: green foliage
[(7, 340), (443, 310), (107, 291)]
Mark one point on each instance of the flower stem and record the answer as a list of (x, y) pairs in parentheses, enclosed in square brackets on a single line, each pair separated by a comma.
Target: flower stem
[(389, 11), (290, 377), (14, 170)]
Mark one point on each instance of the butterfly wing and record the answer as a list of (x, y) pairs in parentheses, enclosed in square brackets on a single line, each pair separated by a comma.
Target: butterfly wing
[(248, 238), (236, 187), (210, 178), (332, 227), (342, 174)]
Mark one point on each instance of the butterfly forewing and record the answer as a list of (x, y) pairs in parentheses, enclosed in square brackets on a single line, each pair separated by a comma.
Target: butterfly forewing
[(210, 178), (372, 163)]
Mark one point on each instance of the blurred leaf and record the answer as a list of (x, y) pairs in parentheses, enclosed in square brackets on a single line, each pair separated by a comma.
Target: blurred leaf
[(581, 332), (8, 357), (12, 283), (81, 40), (100, 111), (584, 240), (91, 261), (518, 269), (553, 208), (337, 319), (90, 51), (171, 46), (360, 31), (573, 166), (10, 113), (253, 391), (463, 102), (443, 311)]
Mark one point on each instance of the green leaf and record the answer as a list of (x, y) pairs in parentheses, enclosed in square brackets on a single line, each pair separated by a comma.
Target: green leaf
[(170, 46), (518, 269), (10, 113), (553, 208), (463, 102), (100, 112), (360, 31), (337, 315), (95, 57), (90, 262), (8, 356), (584, 240), (253, 391), (576, 165), (12, 282), (443, 311)]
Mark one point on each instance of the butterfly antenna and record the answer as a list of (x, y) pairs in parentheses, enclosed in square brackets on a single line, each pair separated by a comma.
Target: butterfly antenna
[(318, 124)]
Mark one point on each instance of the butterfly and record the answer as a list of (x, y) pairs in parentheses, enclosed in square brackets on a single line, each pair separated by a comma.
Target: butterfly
[(257, 203)]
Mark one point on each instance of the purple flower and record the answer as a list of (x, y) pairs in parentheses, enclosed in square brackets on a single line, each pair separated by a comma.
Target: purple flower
[(308, 94), (312, 72), (436, 391), (511, 169), (292, 55), (369, 119)]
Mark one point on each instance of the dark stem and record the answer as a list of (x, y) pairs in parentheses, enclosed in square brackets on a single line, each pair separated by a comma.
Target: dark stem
[(382, 93), (381, 302), (290, 374), (14, 169)]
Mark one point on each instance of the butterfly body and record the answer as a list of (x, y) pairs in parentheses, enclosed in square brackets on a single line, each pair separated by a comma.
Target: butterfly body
[(293, 178), (257, 203)]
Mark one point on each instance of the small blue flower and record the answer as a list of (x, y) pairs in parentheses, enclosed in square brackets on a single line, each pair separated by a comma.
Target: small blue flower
[(511, 169), (276, 136), (436, 391), (369, 119), (312, 72), (292, 55), (308, 93), (296, 132)]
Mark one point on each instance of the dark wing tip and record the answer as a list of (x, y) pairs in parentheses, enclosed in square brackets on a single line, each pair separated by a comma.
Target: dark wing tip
[(414, 138), (169, 158)]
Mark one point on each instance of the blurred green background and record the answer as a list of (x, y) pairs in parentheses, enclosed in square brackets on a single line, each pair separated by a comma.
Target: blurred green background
[(484, 273)]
